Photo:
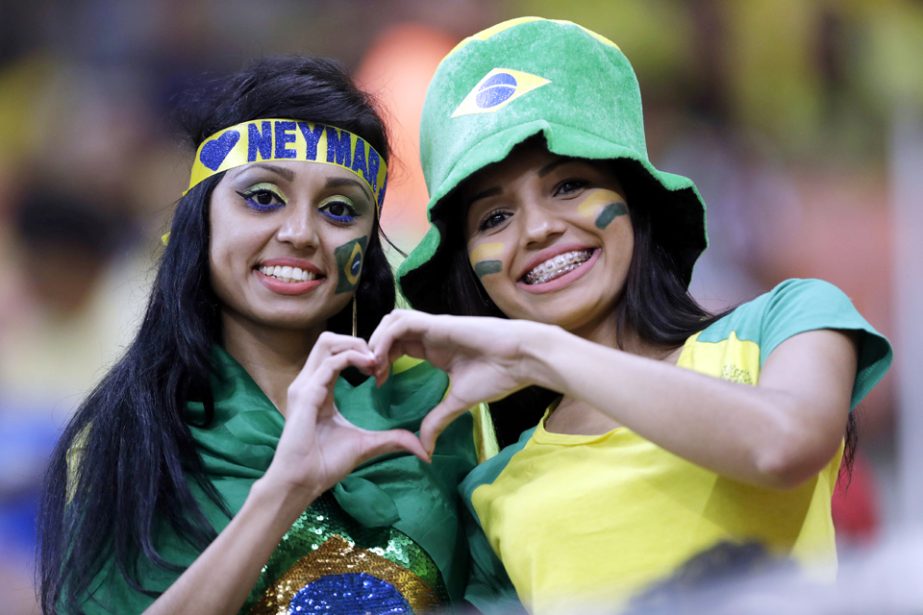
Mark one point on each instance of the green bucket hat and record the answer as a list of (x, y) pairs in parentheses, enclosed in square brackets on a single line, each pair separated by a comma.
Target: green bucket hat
[(528, 77)]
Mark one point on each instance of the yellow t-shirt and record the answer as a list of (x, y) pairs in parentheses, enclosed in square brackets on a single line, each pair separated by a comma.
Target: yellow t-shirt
[(599, 519)]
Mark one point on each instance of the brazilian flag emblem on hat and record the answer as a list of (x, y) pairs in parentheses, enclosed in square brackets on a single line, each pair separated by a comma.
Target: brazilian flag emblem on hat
[(497, 89)]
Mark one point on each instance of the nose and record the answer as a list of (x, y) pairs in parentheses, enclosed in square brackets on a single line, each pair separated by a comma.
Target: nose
[(541, 225), (298, 227)]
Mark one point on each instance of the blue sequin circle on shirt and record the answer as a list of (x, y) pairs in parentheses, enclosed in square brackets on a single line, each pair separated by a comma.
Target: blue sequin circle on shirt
[(349, 593)]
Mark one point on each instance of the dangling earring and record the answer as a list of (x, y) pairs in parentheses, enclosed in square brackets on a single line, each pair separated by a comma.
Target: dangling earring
[(355, 319)]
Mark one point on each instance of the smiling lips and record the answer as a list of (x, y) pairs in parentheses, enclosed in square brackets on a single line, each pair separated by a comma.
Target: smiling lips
[(288, 278), (556, 267)]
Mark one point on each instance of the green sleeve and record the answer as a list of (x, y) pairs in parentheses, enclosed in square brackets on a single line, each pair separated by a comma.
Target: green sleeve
[(796, 306), (489, 587)]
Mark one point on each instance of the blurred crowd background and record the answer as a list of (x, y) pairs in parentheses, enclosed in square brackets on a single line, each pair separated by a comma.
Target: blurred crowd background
[(801, 122)]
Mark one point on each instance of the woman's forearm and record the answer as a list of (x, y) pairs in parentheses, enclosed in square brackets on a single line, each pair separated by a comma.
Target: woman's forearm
[(776, 434), (231, 564)]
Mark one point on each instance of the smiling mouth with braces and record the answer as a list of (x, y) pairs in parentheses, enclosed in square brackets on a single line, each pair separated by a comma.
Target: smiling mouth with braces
[(557, 266)]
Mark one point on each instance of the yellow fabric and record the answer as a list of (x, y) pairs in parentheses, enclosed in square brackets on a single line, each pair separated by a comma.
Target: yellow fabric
[(570, 514), (485, 437), (730, 359), (403, 363), (492, 31)]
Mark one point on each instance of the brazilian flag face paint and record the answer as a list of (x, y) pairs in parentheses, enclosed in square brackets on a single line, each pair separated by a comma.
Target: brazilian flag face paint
[(603, 206), (482, 268), (349, 258), (485, 258), (609, 213)]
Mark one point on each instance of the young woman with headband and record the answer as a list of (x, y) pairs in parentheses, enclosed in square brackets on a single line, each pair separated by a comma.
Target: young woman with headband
[(222, 464), (562, 257)]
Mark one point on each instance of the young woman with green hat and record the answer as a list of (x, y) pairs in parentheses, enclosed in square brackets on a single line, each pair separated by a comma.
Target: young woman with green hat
[(223, 464), (559, 256)]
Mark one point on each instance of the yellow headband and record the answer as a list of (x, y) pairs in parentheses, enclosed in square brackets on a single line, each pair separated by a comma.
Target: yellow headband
[(280, 139)]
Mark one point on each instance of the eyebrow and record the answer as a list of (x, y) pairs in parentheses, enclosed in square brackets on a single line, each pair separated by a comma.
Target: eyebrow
[(545, 170), (285, 173), (554, 164), (336, 182), (483, 194)]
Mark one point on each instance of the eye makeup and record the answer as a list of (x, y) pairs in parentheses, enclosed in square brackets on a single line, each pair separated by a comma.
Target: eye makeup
[(263, 197), (340, 209)]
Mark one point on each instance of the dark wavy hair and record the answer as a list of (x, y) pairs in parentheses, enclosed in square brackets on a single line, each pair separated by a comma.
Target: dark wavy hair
[(130, 437), (655, 305)]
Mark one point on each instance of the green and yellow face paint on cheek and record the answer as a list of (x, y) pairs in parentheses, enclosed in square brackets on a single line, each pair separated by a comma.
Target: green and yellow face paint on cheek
[(485, 258), (349, 258), (604, 205)]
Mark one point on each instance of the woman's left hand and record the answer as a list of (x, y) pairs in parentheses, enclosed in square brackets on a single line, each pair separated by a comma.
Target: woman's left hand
[(318, 446)]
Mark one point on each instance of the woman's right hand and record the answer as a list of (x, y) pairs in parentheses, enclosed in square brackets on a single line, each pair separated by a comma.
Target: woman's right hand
[(318, 446), (485, 358)]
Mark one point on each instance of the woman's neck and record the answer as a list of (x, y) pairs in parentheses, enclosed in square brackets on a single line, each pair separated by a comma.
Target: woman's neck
[(272, 356), (602, 331), (574, 416)]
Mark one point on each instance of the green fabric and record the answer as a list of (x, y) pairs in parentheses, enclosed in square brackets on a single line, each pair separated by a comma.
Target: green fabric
[(590, 108), (237, 447), (489, 587), (799, 305)]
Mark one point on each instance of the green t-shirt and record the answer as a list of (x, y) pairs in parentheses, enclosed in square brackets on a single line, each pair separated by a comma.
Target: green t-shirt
[(600, 518), (391, 528)]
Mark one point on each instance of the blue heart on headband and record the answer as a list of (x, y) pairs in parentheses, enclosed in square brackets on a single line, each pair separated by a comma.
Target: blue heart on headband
[(215, 151)]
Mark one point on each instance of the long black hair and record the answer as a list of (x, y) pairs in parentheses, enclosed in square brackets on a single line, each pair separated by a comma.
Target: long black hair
[(655, 305), (129, 446)]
